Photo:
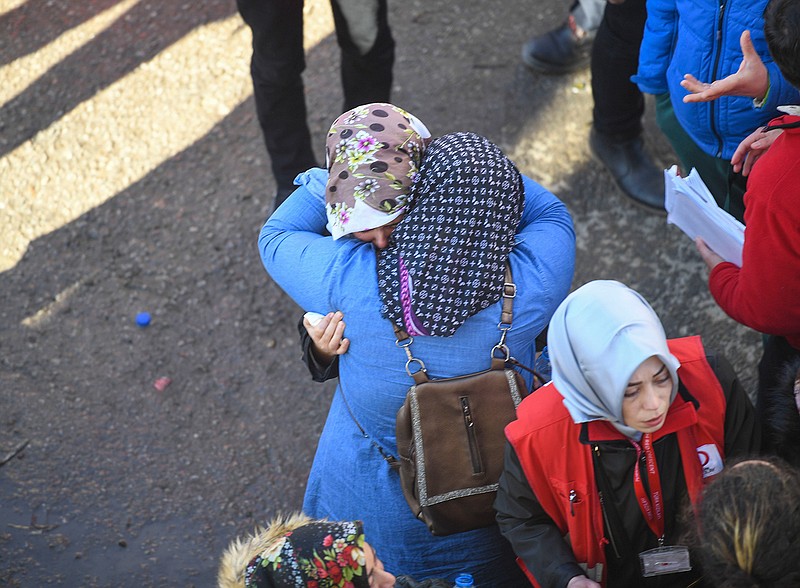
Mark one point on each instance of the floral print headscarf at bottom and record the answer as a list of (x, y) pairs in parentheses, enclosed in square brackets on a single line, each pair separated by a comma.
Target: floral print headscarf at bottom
[(316, 555), (373, 154)]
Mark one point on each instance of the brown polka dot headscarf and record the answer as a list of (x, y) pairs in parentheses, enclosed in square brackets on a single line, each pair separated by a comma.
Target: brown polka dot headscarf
[(373, 155), (446, 259)]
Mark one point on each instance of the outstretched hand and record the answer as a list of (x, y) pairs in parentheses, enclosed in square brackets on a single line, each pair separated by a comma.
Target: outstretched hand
[(752, 148), (751, 80), (327, 336)]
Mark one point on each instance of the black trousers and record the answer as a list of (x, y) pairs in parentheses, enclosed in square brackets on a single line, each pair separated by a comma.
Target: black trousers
[(277, 65), (618, 103)]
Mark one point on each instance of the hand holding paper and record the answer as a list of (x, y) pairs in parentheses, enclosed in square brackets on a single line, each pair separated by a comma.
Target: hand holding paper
[(712, 259), (692, 208)]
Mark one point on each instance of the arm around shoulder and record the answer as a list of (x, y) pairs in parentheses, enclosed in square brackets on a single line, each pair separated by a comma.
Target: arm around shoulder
[(298, 253), (545, 248)]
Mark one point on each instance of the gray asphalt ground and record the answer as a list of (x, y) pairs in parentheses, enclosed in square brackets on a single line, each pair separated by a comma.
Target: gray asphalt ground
[(133, 178)]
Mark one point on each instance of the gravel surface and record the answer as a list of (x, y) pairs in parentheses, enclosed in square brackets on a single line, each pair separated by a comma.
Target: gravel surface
[(133, 178)]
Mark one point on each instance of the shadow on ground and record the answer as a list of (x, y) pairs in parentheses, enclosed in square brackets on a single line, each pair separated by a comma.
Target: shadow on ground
[(121, 484)]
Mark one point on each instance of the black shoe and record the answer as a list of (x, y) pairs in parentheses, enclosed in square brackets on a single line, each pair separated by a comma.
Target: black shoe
[(562, 50), (639, 178)]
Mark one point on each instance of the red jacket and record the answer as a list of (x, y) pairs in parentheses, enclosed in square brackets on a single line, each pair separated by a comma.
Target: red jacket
[(556, 463), (764, 294)]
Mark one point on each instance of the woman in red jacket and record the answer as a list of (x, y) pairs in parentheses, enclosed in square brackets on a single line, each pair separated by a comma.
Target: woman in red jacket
[(763, 294), (600, 461)]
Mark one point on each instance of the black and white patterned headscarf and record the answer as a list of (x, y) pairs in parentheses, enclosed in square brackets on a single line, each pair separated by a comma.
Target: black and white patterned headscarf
[(446, 259)]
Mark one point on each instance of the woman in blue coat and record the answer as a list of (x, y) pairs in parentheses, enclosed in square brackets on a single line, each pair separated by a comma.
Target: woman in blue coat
[(479, 212)]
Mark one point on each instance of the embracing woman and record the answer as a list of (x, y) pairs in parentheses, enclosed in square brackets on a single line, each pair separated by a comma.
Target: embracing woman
[(440, 276)]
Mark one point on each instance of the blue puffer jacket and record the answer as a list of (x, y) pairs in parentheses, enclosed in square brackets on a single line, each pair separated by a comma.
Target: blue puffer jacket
[(701, 37)]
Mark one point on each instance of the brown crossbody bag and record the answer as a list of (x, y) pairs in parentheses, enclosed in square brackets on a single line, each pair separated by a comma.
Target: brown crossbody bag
[(450, 435)]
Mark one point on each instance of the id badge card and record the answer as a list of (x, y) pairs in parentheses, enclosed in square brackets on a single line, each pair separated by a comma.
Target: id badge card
[(665, 560)]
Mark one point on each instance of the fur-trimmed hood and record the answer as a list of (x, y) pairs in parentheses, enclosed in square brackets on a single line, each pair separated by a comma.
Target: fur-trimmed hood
[(242, 550), (782, 415)]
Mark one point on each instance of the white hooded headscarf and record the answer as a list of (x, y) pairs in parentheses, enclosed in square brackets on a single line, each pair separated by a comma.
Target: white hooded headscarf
[(599, 335)]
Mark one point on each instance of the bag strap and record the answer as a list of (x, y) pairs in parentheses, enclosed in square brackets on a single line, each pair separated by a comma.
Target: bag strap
[(791, 125), (404, 340)]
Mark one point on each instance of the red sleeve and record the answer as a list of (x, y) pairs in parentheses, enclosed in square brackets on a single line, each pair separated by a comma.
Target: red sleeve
[(763, 294)]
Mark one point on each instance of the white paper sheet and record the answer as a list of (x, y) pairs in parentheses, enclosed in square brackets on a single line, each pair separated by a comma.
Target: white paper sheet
[(692, 208)]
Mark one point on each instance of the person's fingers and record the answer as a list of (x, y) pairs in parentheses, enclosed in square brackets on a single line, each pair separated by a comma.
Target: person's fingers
[(712, 91), (703, 92), (317, 332), (747, 142), (700, 244), (343, 346), (330, 339), (338, 333), (710, 257), (692, 84), (690, 79), (751, 149), (743, 150), (748, 50), (703, 247), (737, 161), (333, 319), (750, 162)]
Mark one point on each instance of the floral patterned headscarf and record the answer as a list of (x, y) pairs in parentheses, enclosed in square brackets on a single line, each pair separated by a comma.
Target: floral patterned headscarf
[(373, 153), (316, 555)]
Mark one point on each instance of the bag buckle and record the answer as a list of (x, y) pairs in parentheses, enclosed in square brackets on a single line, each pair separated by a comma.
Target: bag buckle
[(503, 348), (421, 366)]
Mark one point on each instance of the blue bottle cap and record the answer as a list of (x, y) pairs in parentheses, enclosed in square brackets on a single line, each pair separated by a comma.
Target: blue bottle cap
[(143, 319), (464, 580)]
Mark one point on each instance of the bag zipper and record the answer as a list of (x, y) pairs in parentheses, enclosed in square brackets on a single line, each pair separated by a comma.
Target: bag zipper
[(469, 424)]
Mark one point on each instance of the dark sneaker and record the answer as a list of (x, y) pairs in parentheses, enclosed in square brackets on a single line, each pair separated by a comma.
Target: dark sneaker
[(632, 168), (565, 49)]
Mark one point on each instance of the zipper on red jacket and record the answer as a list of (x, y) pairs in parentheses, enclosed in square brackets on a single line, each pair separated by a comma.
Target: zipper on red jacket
[(573, 498), (712, 105), (603, 508)]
